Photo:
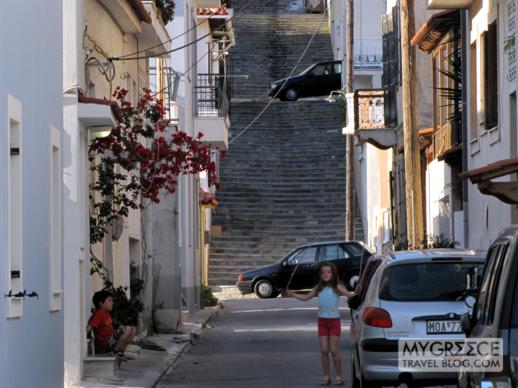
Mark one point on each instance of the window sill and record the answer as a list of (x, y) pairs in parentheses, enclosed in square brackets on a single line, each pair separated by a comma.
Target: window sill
[(474, 147), (494, 135)]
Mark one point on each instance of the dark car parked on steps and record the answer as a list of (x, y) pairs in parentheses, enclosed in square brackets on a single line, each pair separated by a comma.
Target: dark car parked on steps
[(319, 79), (495, 313), (270, 280)]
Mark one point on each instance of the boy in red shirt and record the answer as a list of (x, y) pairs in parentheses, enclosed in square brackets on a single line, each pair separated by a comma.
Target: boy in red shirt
[(107, 339)]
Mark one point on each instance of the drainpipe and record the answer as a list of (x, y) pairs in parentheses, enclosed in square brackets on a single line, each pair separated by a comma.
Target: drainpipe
[(465, 143)]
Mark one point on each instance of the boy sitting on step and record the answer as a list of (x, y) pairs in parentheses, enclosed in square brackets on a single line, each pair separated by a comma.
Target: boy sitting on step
[(107, 339)]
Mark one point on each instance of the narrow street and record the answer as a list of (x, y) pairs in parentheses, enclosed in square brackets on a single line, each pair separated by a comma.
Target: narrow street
[(258, 343)]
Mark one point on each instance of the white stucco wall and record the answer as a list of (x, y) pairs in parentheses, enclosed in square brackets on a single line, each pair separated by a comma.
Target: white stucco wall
[(487, 215), (32, 74)]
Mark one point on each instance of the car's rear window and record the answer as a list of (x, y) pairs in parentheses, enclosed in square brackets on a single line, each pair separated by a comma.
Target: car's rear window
[(432, 281)]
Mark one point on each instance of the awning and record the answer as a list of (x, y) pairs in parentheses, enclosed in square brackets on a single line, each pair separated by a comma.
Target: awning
[(432, 32), (505, 191), (98, 112)]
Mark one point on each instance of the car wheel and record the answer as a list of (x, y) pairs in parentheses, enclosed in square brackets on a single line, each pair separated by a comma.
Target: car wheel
[(351, 280), (264, 289), (291, 94)]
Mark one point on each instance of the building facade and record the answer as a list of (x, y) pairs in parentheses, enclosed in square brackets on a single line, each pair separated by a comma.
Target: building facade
[(94, 32), (31, 139)]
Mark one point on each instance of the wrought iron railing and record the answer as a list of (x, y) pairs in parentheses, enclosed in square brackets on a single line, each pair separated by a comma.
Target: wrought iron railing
[(368, 53), (212, 92), (370, 109)]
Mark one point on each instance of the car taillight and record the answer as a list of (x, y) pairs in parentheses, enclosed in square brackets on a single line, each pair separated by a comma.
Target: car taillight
[(374, 316), (240, 278)]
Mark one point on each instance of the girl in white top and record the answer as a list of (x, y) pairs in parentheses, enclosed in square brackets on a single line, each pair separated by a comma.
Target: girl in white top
[(328, 290)]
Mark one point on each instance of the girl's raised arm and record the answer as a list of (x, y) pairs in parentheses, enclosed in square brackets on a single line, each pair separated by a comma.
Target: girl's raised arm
[(301, 297), (344, 291)]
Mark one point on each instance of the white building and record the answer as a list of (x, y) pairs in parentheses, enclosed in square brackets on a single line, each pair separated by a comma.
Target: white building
[(203, 106), (492, 145), (31, 139), (373, 160)]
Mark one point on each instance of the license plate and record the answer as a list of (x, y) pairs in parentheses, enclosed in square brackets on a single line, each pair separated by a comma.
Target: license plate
[(443, 327)]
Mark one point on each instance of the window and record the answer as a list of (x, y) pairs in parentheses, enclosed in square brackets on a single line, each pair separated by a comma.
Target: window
[(489, 311), (491, 76), (364, 282), (439, 281), (321, 70), (473, 92), (55, 222), (304, 256), (338, 68), (514, 318), (485, 308), (332, 252), (356, 250), (14, 206)]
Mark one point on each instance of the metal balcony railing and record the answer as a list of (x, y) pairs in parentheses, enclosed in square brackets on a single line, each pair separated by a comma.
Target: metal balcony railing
[(369, 109), (212, 93), (368, 53)]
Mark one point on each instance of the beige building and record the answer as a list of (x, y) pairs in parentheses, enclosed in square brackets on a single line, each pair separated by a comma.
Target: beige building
[(93, 32)]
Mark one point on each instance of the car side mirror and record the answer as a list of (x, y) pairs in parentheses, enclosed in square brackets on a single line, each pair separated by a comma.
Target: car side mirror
[(465, 323), (354, 302)]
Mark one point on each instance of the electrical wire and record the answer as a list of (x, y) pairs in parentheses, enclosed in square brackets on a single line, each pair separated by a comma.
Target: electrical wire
[(236, 16), (259, 115), (163, 43)]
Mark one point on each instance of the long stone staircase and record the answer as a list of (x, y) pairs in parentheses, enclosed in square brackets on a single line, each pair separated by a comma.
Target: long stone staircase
[(283, 180)]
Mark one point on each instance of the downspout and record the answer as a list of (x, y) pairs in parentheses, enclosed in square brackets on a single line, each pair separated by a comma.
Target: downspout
[(465, 142)]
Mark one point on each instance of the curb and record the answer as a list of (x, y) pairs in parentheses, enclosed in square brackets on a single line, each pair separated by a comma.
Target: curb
[(194, 335)]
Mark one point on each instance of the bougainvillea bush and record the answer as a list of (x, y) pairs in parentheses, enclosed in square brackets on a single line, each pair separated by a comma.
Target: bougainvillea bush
[(139, 159)]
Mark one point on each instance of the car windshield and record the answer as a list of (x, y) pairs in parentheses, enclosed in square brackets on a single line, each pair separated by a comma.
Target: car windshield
[(307, 70), (432, 281)]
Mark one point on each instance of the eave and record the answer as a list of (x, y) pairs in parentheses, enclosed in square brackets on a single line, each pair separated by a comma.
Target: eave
[(433, 31), (505, 191)]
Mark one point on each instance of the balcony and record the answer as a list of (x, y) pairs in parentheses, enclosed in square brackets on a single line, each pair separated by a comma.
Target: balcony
[(368, 53), (214, 3), (212, 96), (449, 4), (370, 118)]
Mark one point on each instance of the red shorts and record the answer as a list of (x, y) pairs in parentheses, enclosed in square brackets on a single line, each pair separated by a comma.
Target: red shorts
[(329, 327)]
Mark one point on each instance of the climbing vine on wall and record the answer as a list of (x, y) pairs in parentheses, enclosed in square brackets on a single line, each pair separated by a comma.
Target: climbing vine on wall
[(138, 160)]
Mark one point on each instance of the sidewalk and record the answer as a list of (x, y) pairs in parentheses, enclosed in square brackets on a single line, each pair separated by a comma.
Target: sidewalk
[(150, 365)]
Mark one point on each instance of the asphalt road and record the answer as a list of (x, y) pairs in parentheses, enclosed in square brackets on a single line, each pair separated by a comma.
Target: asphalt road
[(258, 343)]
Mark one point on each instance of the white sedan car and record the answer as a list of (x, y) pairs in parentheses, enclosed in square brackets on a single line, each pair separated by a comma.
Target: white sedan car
[(411, 295)]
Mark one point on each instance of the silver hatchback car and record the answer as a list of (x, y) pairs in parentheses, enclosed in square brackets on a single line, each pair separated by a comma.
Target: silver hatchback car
[(411, 294)]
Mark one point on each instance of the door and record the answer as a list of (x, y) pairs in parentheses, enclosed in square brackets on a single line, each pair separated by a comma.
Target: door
[(317, 80), (485, 308), (513, 325), (336, 254), (304, 267), (337, 77)]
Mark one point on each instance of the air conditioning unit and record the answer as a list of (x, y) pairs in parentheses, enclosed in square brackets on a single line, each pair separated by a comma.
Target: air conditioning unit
[(314, 6)]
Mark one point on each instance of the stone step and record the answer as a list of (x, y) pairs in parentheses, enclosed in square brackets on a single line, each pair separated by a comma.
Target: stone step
[(282, 181)]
